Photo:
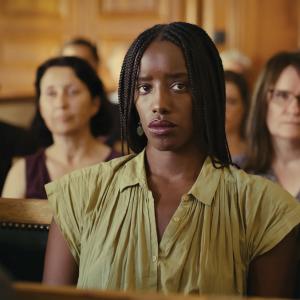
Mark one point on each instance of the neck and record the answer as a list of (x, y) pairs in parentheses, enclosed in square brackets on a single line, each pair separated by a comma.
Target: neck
[(72, 148), (172, 165), (286, 151), (236, 144), (286, 164)]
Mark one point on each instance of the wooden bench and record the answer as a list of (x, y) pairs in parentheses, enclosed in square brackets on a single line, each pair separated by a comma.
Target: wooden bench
[(38, 292), (24, 226)]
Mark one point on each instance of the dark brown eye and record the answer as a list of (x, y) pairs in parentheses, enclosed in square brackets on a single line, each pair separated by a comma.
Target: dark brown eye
[(50, 93), (73, 92), (179, 86), (144, 88), (282, 95)]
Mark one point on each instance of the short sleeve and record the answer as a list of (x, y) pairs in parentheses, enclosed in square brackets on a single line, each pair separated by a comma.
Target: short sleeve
[(77, 197), (271, 213), (68, 197)]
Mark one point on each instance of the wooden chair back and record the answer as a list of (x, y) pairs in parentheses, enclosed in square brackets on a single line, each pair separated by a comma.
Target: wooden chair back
[(24, 225), (31, 291), (25, 211)]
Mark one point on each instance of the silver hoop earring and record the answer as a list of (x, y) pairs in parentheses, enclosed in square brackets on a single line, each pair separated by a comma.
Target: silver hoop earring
[(139, 129)]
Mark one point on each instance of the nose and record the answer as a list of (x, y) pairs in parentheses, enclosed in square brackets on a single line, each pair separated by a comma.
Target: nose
[(161, 102), (61, 100)]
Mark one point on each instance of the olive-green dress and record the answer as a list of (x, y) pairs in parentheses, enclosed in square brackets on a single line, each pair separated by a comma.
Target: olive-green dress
[(106, 214)]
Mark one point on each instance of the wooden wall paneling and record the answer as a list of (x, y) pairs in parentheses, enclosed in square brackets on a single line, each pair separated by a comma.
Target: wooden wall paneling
[(278, 19), (261, 28), (208, 16), (33, 30), (30, 32), (17, 112), (298, 24), (30, 7), (214, 19), (117, 23), (193, 11), (20, 59)]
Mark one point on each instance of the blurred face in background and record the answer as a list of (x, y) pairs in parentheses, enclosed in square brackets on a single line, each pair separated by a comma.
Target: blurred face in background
[(66, 104), (283, 113), (81, 51), (235, 110)]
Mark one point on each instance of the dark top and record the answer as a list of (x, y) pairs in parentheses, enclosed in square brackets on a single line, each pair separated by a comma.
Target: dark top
[(37, 174), (239, 160)]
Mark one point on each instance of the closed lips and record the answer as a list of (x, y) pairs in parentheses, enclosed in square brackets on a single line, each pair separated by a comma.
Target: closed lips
[(161, 124)]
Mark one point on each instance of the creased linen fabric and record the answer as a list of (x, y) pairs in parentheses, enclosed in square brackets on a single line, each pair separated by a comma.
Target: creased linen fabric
[(106, 213)]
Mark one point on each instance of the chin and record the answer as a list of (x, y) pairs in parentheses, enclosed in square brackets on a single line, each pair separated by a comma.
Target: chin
[(164, 147), (294, 138), (290, 136), (64, 131), (171, 143), (170, 146)]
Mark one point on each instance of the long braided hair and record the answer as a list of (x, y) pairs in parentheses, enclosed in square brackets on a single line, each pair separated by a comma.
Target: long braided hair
[(206, 79)]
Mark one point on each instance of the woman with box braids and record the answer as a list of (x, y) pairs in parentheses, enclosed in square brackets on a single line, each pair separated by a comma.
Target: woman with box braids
[(175, 216), (208, 94)]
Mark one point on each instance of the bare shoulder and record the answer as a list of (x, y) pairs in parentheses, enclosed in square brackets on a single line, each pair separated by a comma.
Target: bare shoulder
[(265, 280), (15, 183)]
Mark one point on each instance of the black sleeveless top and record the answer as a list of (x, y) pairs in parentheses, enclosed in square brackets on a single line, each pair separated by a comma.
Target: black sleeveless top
[(37, 174)]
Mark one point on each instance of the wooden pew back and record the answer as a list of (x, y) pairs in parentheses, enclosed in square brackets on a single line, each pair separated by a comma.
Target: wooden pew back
[(24, 225), (38, 291)]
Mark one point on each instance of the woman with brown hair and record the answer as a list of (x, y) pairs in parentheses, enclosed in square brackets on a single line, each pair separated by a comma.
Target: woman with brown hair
[(274, 123), (237, 109)]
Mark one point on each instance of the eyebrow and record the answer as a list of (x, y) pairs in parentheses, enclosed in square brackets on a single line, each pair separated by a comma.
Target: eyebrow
[(281, 90), (171, 76), (69, 85)]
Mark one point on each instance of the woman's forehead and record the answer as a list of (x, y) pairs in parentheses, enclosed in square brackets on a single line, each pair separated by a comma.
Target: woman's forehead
[(60, 75), (164, 56)]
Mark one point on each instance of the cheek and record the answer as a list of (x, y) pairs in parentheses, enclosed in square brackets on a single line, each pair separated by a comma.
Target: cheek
[(143, 120), (183, 103), (271, 118), (188, 115), (141, 110), (235, 112), (46, 114), (82, 105), (229, 111), (45, 109)]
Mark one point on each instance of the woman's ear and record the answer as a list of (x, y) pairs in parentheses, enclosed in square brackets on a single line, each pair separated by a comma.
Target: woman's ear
[(96, 105)]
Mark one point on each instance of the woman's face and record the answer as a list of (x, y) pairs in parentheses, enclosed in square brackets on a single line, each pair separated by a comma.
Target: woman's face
[(65, 102), (163, 97), (235, 109), (283, 112)]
